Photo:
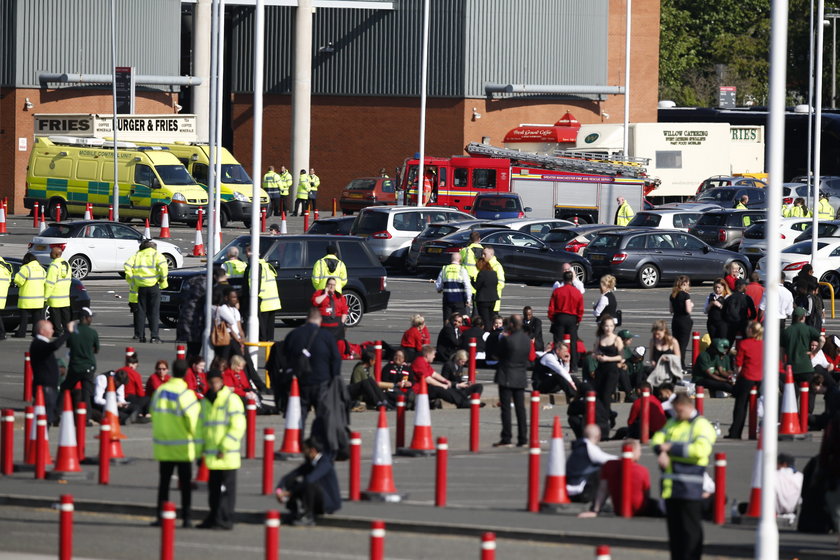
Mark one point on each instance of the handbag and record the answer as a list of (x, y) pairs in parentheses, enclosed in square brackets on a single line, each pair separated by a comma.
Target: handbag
[(219, 336)]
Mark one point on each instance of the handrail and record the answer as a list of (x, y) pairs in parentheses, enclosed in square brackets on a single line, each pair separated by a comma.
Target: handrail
[(831, 290), (269, 344)]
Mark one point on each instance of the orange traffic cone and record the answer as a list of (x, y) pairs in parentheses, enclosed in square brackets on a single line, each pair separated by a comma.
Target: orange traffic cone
[(88, 214), (198, 245), (147, 232), (790, 412), (67, 460), (283, 227), (112, 417), (42, 225), (555, 495), (291, 434), (381, 487), (164, 224), (3, 218), (202, 476), (754, 508), (40, 409), (421, 442)]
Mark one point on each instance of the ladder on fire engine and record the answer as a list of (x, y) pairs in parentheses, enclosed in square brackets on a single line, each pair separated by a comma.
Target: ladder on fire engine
[(565, 161)]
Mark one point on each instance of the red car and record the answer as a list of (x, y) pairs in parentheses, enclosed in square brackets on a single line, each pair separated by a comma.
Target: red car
[(368, 191)]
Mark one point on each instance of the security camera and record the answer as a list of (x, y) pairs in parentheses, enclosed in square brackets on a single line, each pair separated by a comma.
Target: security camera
[(475, 114), (605, 115), (28, 105), (178, 108)]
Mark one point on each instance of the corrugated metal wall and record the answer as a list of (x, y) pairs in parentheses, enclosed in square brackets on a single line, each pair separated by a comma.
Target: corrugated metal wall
[(75, 36), (546, 42), (7, 42)]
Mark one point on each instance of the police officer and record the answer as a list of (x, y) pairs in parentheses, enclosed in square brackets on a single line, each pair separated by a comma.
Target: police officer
[(147, 270), (222, 427), (302, 200), (329, 266), (683, 448), (470, 254), (490, 256), (825, 211), (268, 295), (742, 203), (624, 213), (314, 183), (234, 268), (5, 282), (175, 435), (32, 281), (57, 293), (271, 186), (286, 182), (454, 282)]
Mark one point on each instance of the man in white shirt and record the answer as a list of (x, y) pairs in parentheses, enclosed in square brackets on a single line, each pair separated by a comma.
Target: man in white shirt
[(583, 467), (785, 304), (551, 373), (576, 282), (788, 485), (127, 411)]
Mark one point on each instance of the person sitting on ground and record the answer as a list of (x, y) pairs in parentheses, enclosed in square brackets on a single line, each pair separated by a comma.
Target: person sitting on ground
[(831, 394), (449, 337), (196, 378), (437, 386), (477, 332), (610, 486), (398, 373), (788, 485), (666, 395), (457, 372), (415, 337), (532, 325), (627, 378), (656, 416), (158, 377), (665, 355), (236, 378), (127, 411), (577, 413), (713, 369), (634, 362), (135, 392), (363, 386), (819, 360), (311, 489), (583, 466), (494, 334), (551, 373)]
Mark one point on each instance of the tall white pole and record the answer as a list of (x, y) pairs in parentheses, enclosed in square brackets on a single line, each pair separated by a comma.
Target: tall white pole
[(201, 39), (116, 200), (767, 535), (834, 61), (302, 91), (810, 168), (628, 18), (818, 82), (253, 304), (220, 111), (424, 71), (211, 183)]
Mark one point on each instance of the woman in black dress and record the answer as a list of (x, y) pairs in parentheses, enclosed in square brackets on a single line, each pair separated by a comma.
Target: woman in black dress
[(608, 352), (715, 321), (681, 306), (486, 292)]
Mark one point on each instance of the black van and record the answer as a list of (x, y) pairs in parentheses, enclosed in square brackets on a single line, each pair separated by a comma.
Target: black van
[(294, 256)]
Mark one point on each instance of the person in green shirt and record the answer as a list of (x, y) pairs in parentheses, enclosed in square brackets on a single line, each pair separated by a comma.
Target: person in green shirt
[(796, 343), (363, 386), (83, 343), (713, 369)]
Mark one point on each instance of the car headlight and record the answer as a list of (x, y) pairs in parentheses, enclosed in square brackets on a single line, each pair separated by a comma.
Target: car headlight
[(179, 197), (240, 197)]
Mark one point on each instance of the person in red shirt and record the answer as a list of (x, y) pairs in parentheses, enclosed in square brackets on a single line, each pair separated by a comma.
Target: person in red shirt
[(755, 290), (415, 338), (333, 308), (610, 486), (438, 386), (749, 364), (656, 414), (733, 269), (196, 378), (236, 377), (158, 378), (135, 392), (565, 311)]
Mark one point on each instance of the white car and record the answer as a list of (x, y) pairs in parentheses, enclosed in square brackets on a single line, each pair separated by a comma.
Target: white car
[(96, 246), (799, 254), (754, 245), (538, 227), (666, 218)]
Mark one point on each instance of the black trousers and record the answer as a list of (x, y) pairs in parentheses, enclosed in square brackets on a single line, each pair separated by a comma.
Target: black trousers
[(450, 308), (51, 402), (310, 396), (59, 317), (685, 528), (27, 315), (266, 321), (712, 385), (367, 391), (681, 329), (450, 395), (221, 489), (485, 311), (547, 384), (301, 204), (565, 324), (742, 404), (185, 483), (517, 396), (275, 206), (135, 310), (306, 500), (86, 377), (148, 307)]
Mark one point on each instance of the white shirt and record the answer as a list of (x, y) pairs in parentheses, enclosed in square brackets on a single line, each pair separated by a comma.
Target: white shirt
[(102, 387), (552, 362), (598, 457), (788, 490), (575, 282), (600, 305), (231, 316), (785, 302), (819, 360)]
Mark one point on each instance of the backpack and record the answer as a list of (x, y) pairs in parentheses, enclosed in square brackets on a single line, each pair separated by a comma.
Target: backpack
[(301, 366), (735, 308)]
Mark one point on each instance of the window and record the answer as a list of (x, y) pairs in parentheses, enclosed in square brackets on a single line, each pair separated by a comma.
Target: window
[(669, 159), (501, 238), (287, 255), (96, 231), (660, 241), (645, 219), (802, 248), (409, 221), (234, 174), (718, 219), (433, 216), (461, 178), (388, 186), (200, 174), (539, 230), (484, 178), (143, 175), (361, 185), (522, 240), (685, 220), (636, 243), (124, 232), (605, 242), (354, 254), (370, 222), (835, 252), (174, 175), (315, 250), (688, 243)]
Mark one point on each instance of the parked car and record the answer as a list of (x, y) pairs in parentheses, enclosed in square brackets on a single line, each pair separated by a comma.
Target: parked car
[(666, 219), (339, 225), (10, 315), (574, 239), (648, 256), (495, 206), (754, 243), (539, 228), (729, 181), (793, 258), (388, 230), (96, 246), (792, 191), (728, 197), (436, 231), (825, 230), (724, 228), (293, 256), (523, 256), (367, 191)]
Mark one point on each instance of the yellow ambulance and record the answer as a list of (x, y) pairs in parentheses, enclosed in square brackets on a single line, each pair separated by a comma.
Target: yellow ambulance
[(69, 172)]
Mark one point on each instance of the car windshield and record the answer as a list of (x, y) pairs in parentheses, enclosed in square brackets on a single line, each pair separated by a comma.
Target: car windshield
[(561, 236), (645, 219), (362, 185), (498, 204), (241, 243), (605, 241), (755, 231), (435, 231), (823, 230), (235, 174), (712, 220), (802, 248), (718, 195), (174, 175), (59, 230), (324, 227), (370, 222)]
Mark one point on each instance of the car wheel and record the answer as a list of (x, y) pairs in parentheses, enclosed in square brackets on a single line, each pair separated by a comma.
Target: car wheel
[(834, 279), (80, 265), (580, 272), (356, 307), (223, 218), (649, 276), (743, 270), (53, 209), (156, 216), (170, 261)]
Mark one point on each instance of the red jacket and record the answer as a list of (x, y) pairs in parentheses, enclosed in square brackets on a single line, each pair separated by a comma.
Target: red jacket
[(414, 338), (566, 299), (337, 309), (421, 368), (134, 382), (656, 414), (750, 358), (154, 382), (197, 383), (237, 381)]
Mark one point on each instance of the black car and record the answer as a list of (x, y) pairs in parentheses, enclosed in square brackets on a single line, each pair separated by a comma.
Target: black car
[(436, 231), (339, 225), (574, 238), (650, 256), (523, 256), (11, 314), (293, 256), (725, 228), (728, 197)]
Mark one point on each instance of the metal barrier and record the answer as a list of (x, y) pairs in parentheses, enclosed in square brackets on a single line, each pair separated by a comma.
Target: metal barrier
[(831, 290), (268, 345)]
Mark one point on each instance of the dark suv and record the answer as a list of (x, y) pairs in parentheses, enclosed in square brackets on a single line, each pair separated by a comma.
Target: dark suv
[(293, 256), (728, 197), (725, 228)]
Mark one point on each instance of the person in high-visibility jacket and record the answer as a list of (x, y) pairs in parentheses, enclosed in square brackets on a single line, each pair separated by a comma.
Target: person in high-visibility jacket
[(314, 183), (624, 213), (134, 308), (57, 292), (329, 266), (454, 283), (234, 268), (825, 211), (148, 271), (470, 254), (742, 203), (798, 210), (683, 448), (176, 436), (32, 281), (267, 293), (5, 282), (490, 256), (271, 186), (286, 182), (302, 198), (222, 425)]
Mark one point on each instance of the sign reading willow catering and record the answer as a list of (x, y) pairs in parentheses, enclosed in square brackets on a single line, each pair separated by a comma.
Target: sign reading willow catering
[(685, 137)]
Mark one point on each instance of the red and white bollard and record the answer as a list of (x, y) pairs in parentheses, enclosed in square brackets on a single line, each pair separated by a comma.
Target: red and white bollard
[(699, 399), (644, 421), (305, 220), (110, 212), (488, 546), (181, 352), (41, 448), (719, 510), (602, 552), (472, 345), (268, 462), (7, 453), (65, 527), (262, 220), (534, 477), (377, 361), (167, 531), (441, 460), (625, 508), (251, 429), (475, 423), (36, 213), (272, 535), (28, 421), (804, 405), (695, 347), (377, 540), (400, 423), (590, 407), (104, 453), (81, 427), (355, 467), (27, 378), (753, 414), (535, 419)]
